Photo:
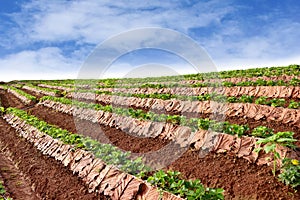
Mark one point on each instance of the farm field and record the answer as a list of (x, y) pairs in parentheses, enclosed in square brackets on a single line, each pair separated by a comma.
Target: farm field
[(227, 135)]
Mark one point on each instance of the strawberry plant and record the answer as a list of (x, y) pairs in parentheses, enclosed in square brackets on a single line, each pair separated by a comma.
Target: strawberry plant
[(290, 172), (204, 97), (262, 131), (262, 100), (2, 110), (277, 102), (174, 119), (228, 84), (280, 138), (203, 123), (294, 82), (246, 99), (190, 189), (294, 105), (217, 126), (2, 189), (260, 82), (234, 129), (232, 99)]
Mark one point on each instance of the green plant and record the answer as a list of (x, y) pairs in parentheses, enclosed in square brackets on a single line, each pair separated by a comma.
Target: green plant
[(2, 189), (45, 89), (262, 100), (294, 105), (277, 102), (295, 82), (246, 99), (234, 129), (280, 138), (262, 131), (190, 189), (290, 172), (232, 99), (108, 153), (22, 93), (2, 110)]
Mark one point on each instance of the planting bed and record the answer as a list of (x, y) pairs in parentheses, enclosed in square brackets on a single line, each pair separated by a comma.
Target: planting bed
[(235, 175), (48, 178), (220, 154)]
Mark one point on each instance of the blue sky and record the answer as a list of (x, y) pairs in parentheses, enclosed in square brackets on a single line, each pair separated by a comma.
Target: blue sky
[(43, 39)]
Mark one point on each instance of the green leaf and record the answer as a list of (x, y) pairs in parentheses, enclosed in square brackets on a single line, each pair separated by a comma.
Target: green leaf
[(276, 155), (269, 148), (281, 140)]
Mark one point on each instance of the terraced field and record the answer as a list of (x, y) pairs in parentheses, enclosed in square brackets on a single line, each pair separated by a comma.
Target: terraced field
[(228, 135)]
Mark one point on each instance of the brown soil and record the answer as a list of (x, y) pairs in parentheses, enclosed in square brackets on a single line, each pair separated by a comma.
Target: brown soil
[(37, 95), (47, 176), (277, 127), (252, 123), (104, 134), (240, 179), (9, 100), (15, 182), (234, 120)]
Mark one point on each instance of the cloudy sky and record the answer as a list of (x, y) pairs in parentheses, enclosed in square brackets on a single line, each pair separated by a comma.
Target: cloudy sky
[(42, 39)]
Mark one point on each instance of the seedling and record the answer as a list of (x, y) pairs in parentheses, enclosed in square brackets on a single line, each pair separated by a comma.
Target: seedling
[(262, 131), (171, 181), (281, 138), (290, 174)]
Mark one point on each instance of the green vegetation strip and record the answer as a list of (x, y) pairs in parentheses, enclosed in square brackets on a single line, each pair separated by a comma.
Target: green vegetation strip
[(108, 153), (291, 70), (2, 189), (169, 181), (44, 89), (193, 189), (290, 169), (194, 123), (275, 102), (22, 93), (259, 82)]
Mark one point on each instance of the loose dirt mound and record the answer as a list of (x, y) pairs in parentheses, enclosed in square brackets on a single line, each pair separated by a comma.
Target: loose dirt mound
[(49, 178), (240, 179)]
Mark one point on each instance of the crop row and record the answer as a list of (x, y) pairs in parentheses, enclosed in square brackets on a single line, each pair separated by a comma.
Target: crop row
[(83, 161), (193, 123), (292, 70), (291, 80), (252, 111), (200, 140), (286, 72), (214, 96), (20, 94), (57, 87), (41, 90), (208, 94), (268, 91), (194, 107), (245, 147), (259, 82), (236, 81)]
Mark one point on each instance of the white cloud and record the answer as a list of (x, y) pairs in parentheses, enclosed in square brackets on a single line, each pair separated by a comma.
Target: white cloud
[(87, 23), (245, 63), (45, 63), (92, 21)]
